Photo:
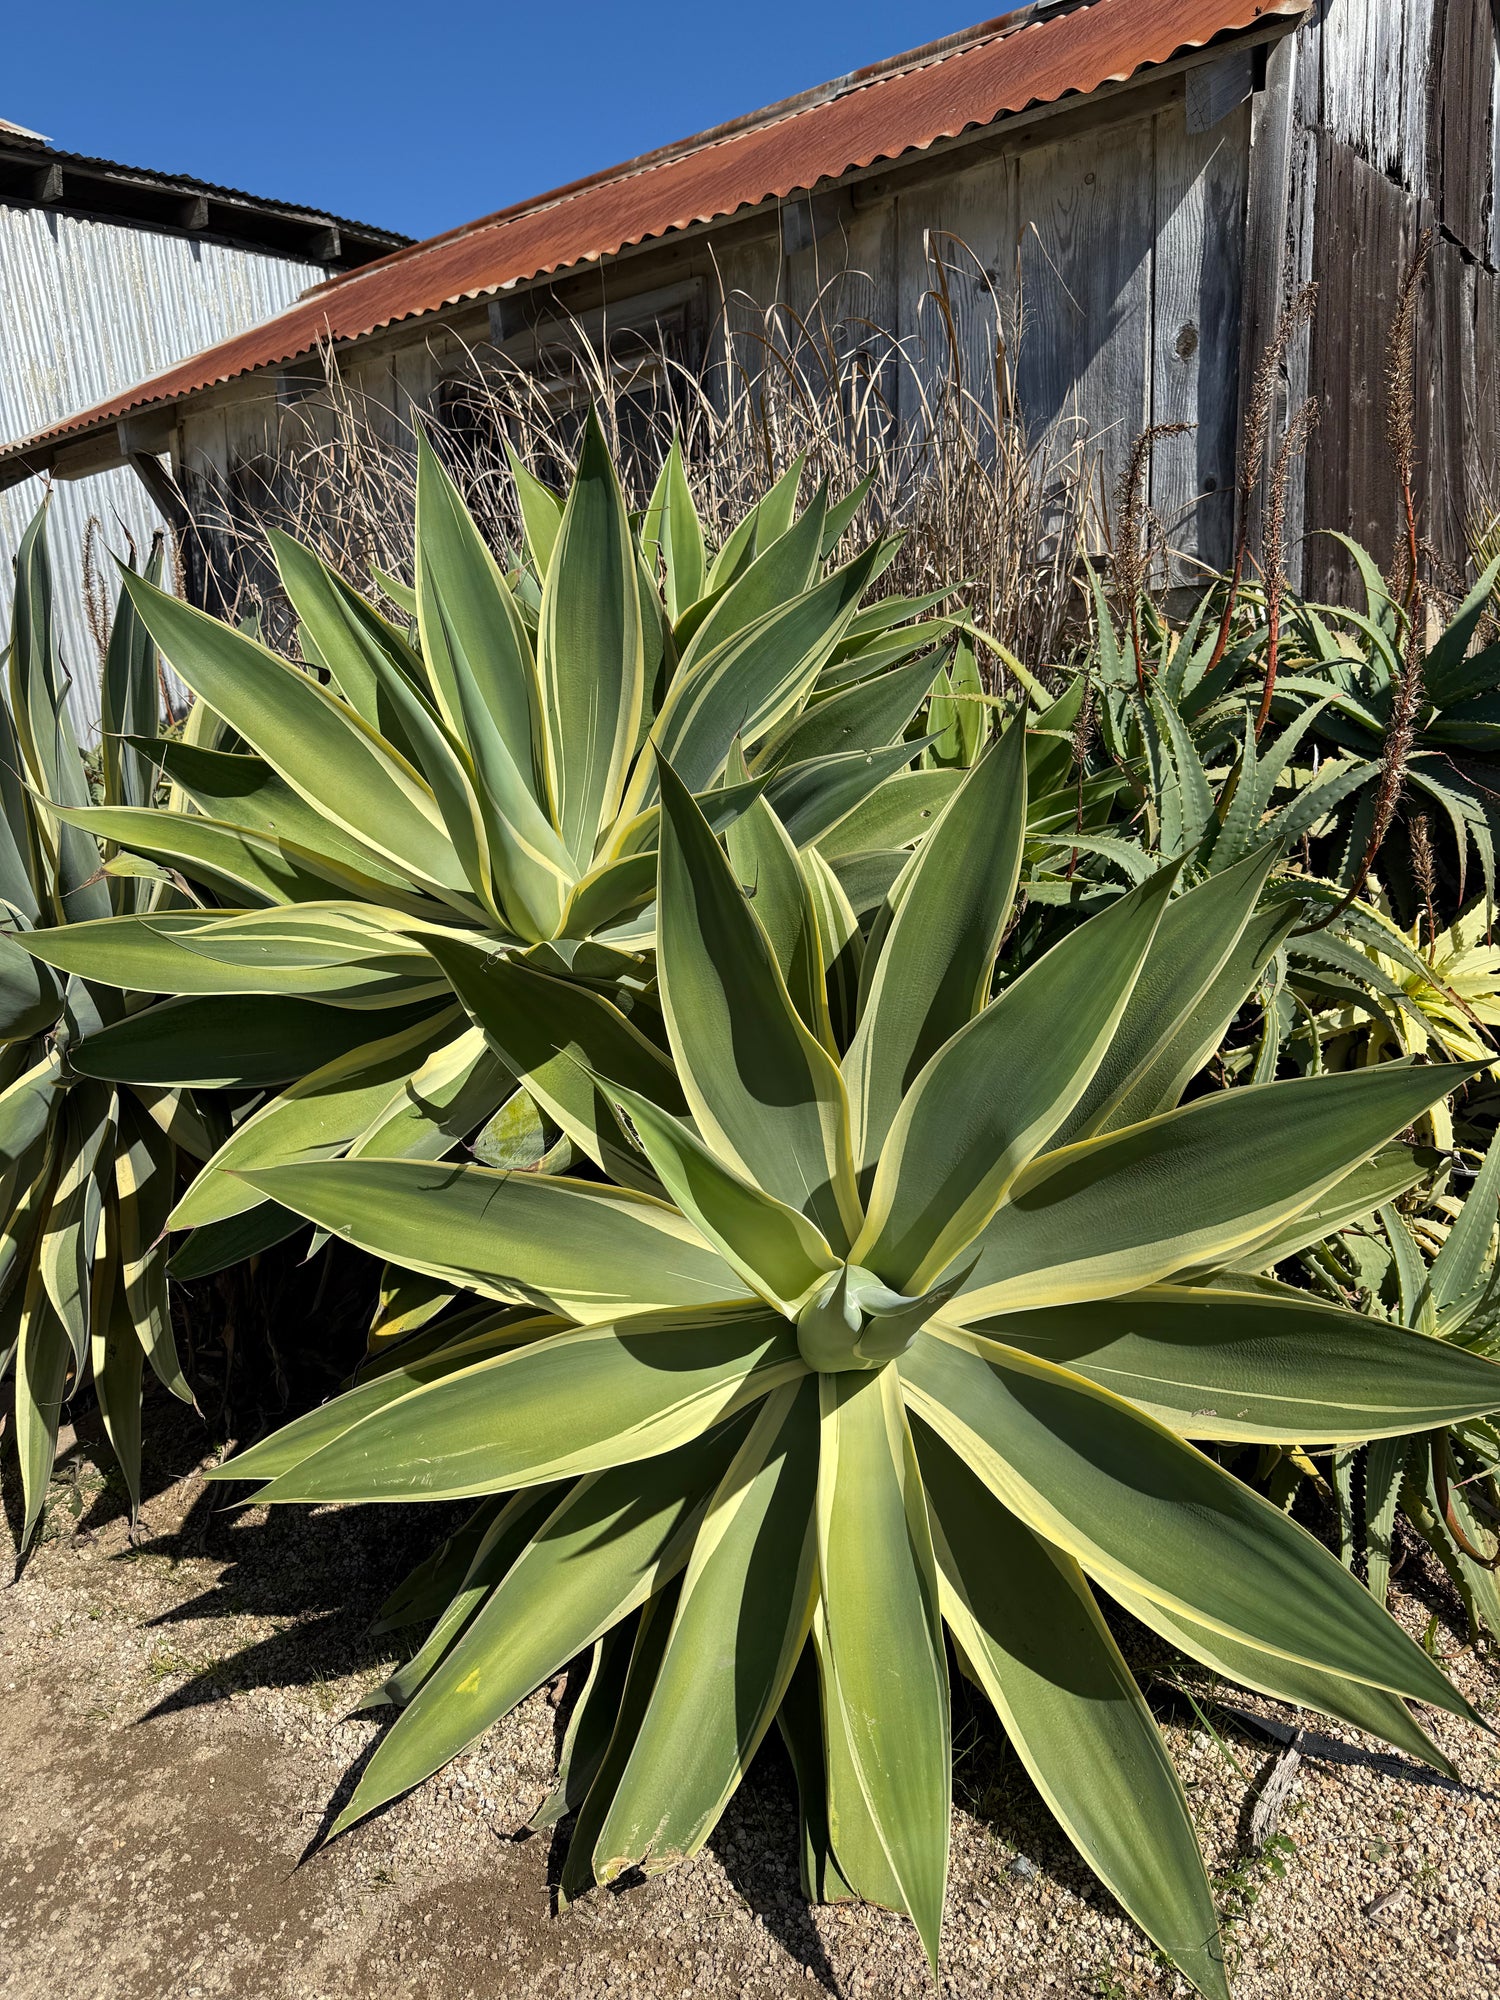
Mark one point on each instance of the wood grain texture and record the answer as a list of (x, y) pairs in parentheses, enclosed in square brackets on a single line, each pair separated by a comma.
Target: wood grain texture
[(1087, 216), (1366, 231), (1460, 113), (1201, 181)]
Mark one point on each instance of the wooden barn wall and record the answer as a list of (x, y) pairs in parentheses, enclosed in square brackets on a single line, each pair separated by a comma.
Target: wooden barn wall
[(1397, 132), (1109, 261)]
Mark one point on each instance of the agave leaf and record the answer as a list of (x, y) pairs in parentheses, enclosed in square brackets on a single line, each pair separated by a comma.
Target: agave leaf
[(43, 1360), (1026, 1623), (321, 747), (572, 1403), (321, 1114), (993, 1095), (119, 1365), (610, 1542), (1385, 1467), (144, 1189), (581, 1249), (590, 659), (1367, 1708), (880, 1602), (766, 1095), (1462, 1262), (1272, 1366), (1390, 1174), (672, 527), (423, 1593), (497, 1333), (1190, 1188), (503, 1541), (800, 1721), (44, 732), (744, 686), (1195, 941), (226, 859), (927, 970), (900, 812), (541, 512), (234, 789), (560, 1039), (229, 1041), (752, 1568), (341, 952), (1128, 1500), (70, 1235), (590, 1726), (778, 1252), (766, 862), (868, 717)]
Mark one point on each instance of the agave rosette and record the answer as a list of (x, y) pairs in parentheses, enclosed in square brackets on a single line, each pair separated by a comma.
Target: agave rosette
[(88, 1172), (490, 773), (921, 1326)]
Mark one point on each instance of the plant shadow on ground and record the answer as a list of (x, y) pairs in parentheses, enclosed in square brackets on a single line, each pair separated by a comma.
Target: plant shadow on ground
[(325, 1571)]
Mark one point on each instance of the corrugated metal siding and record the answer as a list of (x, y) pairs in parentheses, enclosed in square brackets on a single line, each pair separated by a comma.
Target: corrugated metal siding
[(94, 307)]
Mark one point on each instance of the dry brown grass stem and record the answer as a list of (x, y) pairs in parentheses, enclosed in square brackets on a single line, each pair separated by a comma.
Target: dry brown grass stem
[(1136, 533), (998, 515), (1292, 446), (1259, 404)]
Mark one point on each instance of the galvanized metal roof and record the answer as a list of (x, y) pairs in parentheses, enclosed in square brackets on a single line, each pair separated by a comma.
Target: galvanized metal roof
[(905, 105)]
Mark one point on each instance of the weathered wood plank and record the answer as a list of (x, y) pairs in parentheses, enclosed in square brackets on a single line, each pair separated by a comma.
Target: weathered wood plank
[(1088, 215), (1460, 112), (1366, 228), (1201, 183), (967, 225), (1374, 69)]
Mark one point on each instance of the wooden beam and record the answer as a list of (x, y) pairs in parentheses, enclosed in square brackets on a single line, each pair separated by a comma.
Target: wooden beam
[(49, 183), (194, 212)]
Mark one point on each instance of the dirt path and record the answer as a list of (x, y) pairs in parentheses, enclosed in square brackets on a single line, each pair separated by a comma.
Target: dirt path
[(173, 1728)]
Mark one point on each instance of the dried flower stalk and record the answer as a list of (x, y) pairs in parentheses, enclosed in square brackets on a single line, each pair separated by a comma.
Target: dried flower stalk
[(1296, 314)]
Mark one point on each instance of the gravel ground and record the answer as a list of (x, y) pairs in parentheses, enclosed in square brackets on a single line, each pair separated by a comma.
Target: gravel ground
[(174, 1723)]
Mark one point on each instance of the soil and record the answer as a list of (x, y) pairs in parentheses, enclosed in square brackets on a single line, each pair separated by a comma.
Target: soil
[(176, 1731)]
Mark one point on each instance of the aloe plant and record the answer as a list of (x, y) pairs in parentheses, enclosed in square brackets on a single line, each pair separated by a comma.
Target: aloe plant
[(87, 1171), (907, 1307), (489, 773)]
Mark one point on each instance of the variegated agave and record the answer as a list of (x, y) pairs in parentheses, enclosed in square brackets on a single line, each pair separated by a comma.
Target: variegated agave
[(912, 1313), (1435, 1272), (491, 772), (87, 1172)]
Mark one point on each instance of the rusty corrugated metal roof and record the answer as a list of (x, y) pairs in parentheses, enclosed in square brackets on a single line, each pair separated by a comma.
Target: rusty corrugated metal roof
[(898, 107)]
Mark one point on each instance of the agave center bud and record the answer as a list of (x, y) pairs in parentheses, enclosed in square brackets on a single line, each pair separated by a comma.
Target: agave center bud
[(856, 1321)]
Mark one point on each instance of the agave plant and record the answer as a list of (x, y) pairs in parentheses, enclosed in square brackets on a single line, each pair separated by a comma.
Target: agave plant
[(1436, 1273), (491, 773), (87, 1171), (907, 1322)]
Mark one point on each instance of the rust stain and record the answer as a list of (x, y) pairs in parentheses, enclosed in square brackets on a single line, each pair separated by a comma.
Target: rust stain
[(898, 107)]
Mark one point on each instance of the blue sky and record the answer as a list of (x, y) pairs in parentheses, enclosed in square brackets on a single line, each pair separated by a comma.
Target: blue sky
[(417, 117)]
